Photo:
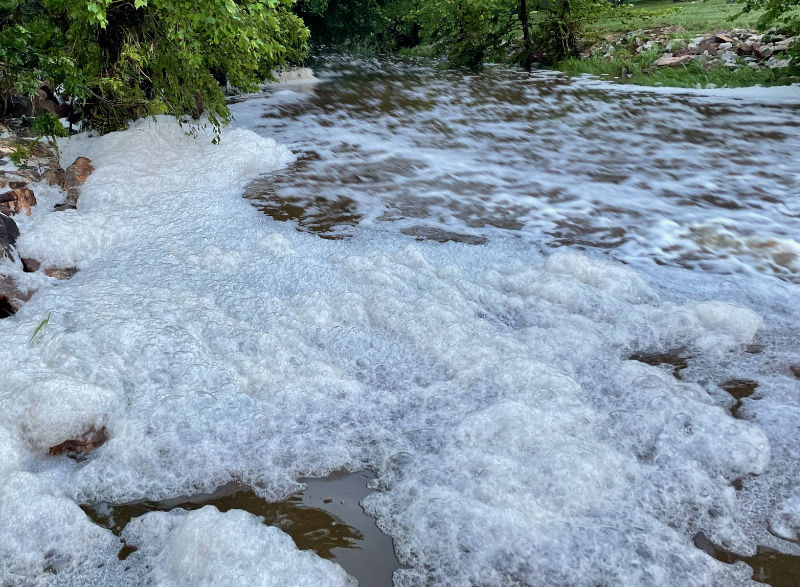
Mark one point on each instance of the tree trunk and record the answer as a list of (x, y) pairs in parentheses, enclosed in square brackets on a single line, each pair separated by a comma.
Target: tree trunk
[(527, 51)]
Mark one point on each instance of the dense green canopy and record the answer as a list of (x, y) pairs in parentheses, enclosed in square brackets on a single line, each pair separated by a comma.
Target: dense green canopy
[(122, 59)]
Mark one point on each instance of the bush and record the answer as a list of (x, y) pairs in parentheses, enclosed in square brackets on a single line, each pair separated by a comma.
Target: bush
[(122, 59)]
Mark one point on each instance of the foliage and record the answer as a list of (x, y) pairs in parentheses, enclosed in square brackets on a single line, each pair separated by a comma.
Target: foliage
[(784, 14), (123, 59)]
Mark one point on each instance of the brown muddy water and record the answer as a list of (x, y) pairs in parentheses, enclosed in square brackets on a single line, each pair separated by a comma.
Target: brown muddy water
[(324, 517)]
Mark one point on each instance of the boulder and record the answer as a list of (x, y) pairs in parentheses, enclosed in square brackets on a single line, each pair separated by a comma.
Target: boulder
[(670, 61), (17, 200), (82, 445)]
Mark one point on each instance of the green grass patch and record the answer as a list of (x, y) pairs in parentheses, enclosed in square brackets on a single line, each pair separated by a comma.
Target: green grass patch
[(697, 17)]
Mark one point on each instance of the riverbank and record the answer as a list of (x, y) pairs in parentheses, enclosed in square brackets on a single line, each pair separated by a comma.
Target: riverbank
[(672, 56), (687, 44)]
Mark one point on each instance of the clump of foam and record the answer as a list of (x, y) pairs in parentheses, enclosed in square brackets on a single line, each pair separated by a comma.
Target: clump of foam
[(206, 547)]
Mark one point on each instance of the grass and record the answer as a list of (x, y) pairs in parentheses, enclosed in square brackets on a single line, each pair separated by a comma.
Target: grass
[(39, 328), (697, 17)]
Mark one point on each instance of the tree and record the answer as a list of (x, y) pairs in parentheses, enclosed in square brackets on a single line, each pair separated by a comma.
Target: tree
[(123, 59)]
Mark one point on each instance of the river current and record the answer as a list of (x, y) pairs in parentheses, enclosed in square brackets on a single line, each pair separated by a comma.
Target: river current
[(556, 317)]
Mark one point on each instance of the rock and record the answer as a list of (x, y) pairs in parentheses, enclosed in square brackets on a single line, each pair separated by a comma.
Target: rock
[(82, 445), (16, 200), (795, 369), (55, 176), (60, 272), (774, 63), (11, 297), (781, 46), (74, 177), (30, 265), (725, 46), (723, 38), (9, 232), (670, 61)]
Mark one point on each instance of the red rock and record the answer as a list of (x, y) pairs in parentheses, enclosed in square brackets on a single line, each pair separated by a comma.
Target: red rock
[(78, 172), (17, 200), (82, 445), (74, 176)]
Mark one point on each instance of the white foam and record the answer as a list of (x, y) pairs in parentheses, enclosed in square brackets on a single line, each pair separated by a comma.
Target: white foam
[(490, 388), (206, 547)]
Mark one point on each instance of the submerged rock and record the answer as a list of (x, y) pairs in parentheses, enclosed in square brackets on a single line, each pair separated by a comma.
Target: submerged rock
[(82, 445)]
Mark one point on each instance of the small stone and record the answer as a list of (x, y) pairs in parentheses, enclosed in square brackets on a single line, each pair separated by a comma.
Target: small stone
[(61, 272), (17, 200), (723, 38), (725, 46), (82, 445), (795, 369)]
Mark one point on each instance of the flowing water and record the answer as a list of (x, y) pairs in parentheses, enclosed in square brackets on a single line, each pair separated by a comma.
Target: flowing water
[(558, 317)]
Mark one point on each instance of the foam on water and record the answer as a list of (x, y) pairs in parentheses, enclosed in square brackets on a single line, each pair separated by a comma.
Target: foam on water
[(489, 386)]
